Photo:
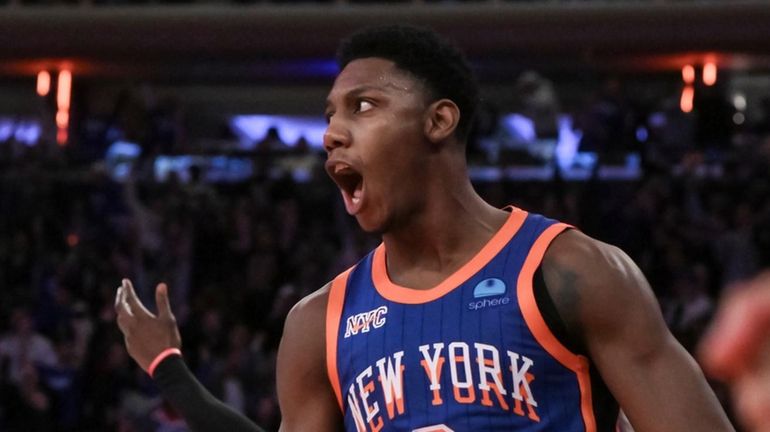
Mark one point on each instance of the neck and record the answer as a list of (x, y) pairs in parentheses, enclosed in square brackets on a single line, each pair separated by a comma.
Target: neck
[(451, 226)]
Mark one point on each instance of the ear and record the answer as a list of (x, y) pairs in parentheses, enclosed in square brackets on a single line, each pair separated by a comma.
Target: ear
[(441, 120)]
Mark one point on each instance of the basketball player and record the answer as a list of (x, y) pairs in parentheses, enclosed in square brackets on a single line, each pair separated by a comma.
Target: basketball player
[(467, 317), (737, 349)]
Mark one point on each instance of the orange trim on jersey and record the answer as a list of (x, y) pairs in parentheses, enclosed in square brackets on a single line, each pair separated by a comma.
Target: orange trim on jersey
[(404, 295), (538, 327), (333, 317)]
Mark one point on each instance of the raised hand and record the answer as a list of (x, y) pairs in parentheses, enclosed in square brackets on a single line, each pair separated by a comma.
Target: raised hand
[(146, 334)]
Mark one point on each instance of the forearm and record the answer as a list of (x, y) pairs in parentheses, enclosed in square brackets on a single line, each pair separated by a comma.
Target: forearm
[(200, 409)]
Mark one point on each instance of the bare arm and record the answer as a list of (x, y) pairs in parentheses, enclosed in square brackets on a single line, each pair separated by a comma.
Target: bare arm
[(305, 394), (607, 303)]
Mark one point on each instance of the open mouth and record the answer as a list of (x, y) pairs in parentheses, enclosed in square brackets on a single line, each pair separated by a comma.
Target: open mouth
[(350, 182)]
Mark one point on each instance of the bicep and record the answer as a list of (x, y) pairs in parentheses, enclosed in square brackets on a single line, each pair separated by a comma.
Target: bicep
[(305, 394), (625, 319), (653, 378)]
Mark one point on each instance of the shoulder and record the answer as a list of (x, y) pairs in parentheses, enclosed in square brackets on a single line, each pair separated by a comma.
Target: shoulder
[(594, 284), (596, 264), (310, 312), (303, 344), (312, 309), (574, 250)]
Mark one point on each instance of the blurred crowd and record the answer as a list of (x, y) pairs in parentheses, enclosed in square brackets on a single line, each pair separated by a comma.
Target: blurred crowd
[(237, 256)]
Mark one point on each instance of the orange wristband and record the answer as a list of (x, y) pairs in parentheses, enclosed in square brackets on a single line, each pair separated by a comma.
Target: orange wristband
[(160, 357)]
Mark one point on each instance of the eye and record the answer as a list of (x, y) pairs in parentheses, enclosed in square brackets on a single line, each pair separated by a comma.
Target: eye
[(328, 116), (363, 106)]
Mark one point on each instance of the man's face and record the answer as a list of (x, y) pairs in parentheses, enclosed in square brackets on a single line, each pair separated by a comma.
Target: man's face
[(375, 141)]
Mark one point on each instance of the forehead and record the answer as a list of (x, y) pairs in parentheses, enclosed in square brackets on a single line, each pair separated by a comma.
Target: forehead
[(375, 73)]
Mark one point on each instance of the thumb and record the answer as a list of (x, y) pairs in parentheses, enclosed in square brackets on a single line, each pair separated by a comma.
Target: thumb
[(161, 301)]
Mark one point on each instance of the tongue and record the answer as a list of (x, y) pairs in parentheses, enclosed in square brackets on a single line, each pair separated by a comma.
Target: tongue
[(353, 202)]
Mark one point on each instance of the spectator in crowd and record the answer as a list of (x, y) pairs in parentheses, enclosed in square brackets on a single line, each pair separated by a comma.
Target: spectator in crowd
[(24, 349)]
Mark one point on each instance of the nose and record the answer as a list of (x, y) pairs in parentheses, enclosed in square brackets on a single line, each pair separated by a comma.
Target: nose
[(335, 136)]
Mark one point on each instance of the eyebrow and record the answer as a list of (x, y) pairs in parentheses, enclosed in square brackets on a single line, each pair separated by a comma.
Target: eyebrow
[(364, 88)]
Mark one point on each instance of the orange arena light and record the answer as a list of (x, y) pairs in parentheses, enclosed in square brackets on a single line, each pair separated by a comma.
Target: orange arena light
[(62, 119), (710, 73), (64, 90), (686, 101), (43, 83), (688, 74), (63, 98), (61, 137)]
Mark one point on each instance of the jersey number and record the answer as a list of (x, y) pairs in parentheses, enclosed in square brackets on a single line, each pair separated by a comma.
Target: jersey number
[(434, 428)]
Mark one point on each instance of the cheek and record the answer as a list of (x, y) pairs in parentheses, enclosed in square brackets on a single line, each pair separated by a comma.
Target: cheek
[(384, 145), (401, 142), (391, 149)]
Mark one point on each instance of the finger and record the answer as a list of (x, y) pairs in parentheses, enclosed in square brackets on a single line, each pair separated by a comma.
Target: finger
[(124, 323), (121, 306), (125, 317), (161, 301), (133, 300)]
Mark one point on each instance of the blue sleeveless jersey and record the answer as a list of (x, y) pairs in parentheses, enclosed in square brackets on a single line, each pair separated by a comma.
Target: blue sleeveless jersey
[(471, 354)]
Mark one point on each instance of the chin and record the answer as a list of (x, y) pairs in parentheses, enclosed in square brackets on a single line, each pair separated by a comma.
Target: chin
[(372, 225), (371, 228)]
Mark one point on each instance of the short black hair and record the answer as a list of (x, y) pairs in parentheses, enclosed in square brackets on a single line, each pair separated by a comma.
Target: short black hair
[(435, 61)]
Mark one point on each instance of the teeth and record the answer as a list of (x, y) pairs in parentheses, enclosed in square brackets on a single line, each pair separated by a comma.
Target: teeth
[(340, 167)]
